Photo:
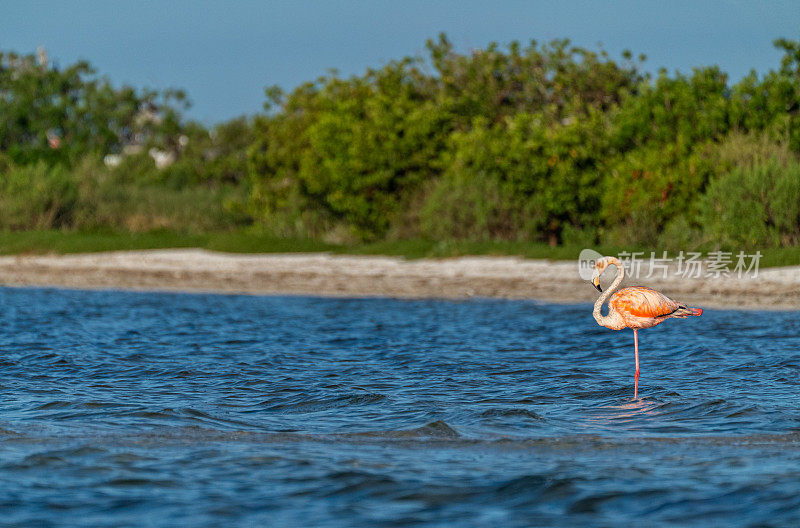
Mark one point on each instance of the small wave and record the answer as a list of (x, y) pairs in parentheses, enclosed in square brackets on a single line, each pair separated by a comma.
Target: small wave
[(64, 404), (307, 405), (594, 503), (511, 413), (536, 487), (54, 459), (433, 430), (56, 404), (356, 482), (140, 483)]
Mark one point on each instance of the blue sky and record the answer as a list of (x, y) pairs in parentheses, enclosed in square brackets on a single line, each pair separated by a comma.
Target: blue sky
[(224, 53)]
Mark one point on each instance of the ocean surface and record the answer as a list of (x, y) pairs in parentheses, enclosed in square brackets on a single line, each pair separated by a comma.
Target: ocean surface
[(144, 409)]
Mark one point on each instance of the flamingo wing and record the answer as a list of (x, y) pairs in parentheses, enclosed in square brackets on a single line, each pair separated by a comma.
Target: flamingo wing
[(639, 301)]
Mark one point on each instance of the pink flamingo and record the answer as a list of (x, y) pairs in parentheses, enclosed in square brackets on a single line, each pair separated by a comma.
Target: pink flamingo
[(635, 308)]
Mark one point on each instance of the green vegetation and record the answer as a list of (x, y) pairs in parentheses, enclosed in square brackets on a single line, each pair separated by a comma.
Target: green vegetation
[(534, 150), (42, 242)]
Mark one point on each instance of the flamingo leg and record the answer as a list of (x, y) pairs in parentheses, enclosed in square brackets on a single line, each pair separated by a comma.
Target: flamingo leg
[(636, 352)]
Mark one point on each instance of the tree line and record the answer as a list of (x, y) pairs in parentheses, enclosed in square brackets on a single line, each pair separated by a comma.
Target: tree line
[(547, 142)]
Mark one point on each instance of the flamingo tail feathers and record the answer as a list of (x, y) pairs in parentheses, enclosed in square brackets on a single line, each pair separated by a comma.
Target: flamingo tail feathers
[(684, 311)]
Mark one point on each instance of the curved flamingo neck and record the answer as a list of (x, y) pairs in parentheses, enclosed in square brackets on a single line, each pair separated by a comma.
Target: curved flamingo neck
[(613, 319)]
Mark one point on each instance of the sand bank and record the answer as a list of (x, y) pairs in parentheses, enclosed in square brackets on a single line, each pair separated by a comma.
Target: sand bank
[(195, 270)]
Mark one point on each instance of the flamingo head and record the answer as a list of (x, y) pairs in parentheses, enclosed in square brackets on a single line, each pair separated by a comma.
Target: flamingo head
[(600, 266)]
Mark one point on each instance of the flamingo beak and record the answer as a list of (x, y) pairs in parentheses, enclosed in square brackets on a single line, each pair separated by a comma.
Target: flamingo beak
[(596, 284)]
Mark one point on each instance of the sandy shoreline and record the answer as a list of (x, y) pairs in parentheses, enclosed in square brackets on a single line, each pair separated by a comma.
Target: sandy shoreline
[(195, 270)]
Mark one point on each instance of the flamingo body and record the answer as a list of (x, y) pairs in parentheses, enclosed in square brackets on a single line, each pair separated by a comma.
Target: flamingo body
[(635, 308), (641, 307)]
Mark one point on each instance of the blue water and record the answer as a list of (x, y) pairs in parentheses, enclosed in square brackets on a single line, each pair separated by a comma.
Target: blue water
[(132, 409)]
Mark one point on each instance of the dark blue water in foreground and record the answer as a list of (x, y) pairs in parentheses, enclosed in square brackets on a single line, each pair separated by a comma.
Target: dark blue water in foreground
[(126, 409)]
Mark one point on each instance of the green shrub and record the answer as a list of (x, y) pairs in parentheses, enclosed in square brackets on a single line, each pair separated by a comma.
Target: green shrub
[(555, 79), (677, 110), (347, 152), (37, 197), (746, 150), (210, 157), (519, 179), (752, 207), (470, 206), (109, 199), (648, 188)]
